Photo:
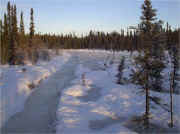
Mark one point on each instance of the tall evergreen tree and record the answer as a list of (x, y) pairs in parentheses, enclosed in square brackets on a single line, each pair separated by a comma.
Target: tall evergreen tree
[(9, 31), (32, 52), (31, 27), (9, 17), (11, 34), (22, 37), (149, 66), (4, 41), (21, 30), (15, 28), (6, 38)]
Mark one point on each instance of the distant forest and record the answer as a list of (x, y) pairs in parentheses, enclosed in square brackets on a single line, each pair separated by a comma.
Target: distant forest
[(16, 44)]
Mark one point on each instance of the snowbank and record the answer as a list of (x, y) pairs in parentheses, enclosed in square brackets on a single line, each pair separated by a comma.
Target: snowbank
[(16, 83)]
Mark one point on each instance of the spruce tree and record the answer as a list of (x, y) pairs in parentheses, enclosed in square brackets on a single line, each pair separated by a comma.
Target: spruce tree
[(21, 30), (31, 35), (9, 31), (15, 28), (9, 17), (11, 35), (4, 47), (149, 62), (5, 41), (32, 52), (22, 37)]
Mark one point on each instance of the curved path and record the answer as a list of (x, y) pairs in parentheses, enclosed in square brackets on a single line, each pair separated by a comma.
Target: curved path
[(40, 108)]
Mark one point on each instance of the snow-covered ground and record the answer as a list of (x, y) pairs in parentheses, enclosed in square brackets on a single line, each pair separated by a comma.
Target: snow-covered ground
[(94, 103), (90, 101), (16, 83)]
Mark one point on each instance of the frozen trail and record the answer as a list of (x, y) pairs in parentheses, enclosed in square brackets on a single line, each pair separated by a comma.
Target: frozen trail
[(40, 108)]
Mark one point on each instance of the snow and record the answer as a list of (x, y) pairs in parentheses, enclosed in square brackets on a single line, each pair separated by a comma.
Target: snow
[(90, 101), (90, 108), (14, 83), (97, 105)]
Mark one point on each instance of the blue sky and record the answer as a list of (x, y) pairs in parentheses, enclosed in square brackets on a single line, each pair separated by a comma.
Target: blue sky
[(79, 16)]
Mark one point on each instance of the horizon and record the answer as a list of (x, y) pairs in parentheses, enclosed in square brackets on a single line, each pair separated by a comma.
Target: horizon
[(79, 17)]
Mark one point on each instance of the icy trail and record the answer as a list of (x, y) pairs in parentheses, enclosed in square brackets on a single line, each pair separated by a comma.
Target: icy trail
[(40, 108)]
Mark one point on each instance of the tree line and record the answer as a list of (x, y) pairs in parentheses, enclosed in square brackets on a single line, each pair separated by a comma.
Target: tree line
[(18, 45), (117, 41)]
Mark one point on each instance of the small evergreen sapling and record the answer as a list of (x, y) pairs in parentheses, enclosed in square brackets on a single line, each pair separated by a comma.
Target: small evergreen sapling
[(120, 71)]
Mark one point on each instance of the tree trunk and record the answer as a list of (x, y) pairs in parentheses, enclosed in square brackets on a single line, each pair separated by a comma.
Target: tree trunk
[(171, 97), (147, 102)]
